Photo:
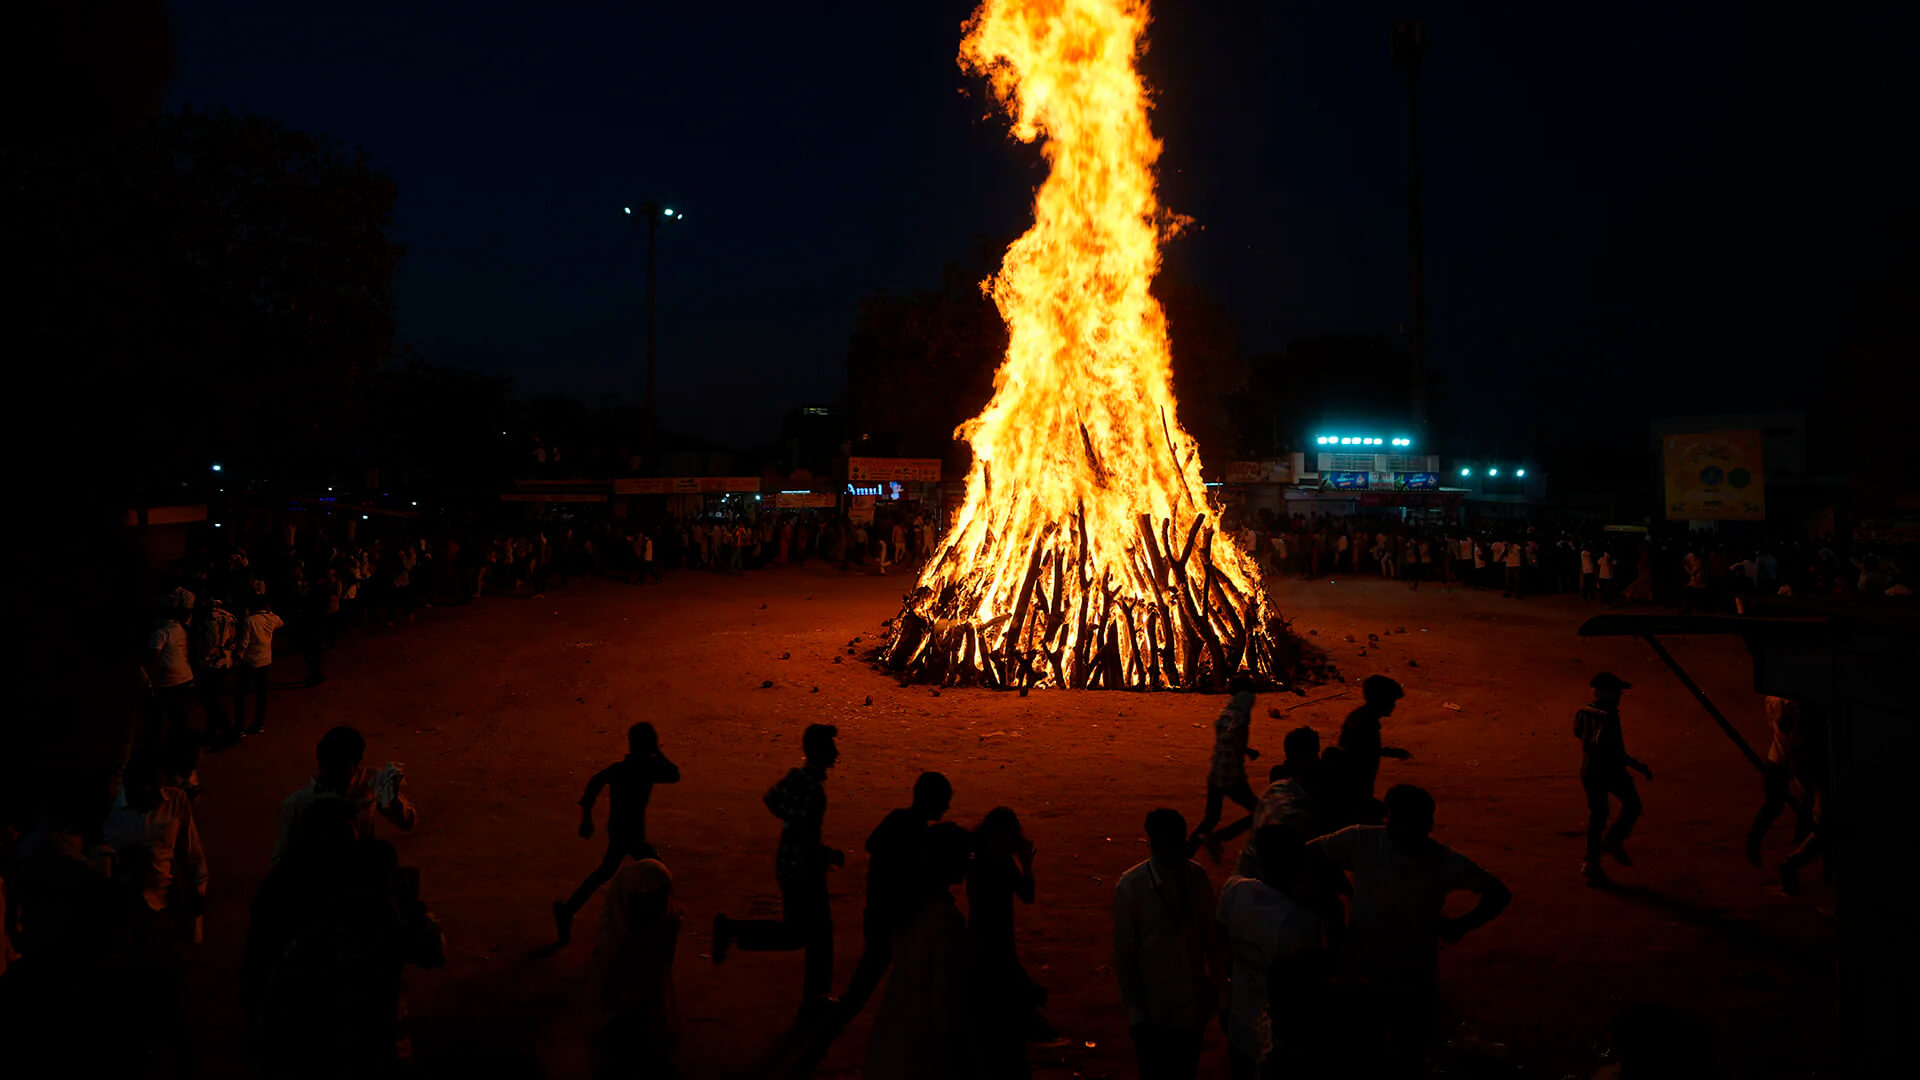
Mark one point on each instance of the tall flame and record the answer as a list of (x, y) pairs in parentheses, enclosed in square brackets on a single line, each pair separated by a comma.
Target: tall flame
[(1073, 561)]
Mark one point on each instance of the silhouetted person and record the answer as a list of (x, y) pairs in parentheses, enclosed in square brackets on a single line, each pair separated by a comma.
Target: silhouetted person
[(806, 922), (1401, 878), (168, 672), (1269, 932), (924, 1029), (1338, 799), (54, 995), (1227, 776), (629, 783), (255, 664), (306, 881), (1604, 762), (332, 1006), (157, 848), (1293, 797), (217, 635), (633, 957), (896, 875), (1360, 736), (1798, 753), (1167, 957), (339, 775), (1008, 999)]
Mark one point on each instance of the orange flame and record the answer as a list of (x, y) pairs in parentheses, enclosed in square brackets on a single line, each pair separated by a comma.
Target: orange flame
[(1065, 561)]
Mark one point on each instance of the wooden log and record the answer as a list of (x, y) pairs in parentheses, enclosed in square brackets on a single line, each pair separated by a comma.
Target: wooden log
[(1026, 591), (1152, 548), (1153, 650), (1060, 602), (1101, 478), (1111, 675), (996, 674), (1228, 610), (1078, 667), (1179, 469), (1054, 648), (1162, 604), (1187, 551), (1198, 624)]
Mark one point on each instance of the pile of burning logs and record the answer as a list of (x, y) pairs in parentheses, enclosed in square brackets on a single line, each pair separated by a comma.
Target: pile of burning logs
[(1161, 618)]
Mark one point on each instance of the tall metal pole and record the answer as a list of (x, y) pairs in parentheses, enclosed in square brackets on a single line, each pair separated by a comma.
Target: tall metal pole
[(1409, 49), (653, 226)]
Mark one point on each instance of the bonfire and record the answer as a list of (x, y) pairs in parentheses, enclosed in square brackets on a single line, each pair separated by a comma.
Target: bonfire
[(1086, 554)]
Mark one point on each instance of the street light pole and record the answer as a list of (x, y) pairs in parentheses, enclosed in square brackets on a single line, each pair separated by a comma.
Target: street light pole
[(1409, 49), (654, 214)]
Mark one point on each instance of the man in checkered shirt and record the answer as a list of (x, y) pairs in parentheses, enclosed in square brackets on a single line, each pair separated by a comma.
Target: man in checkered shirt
[(1228, 777), (806, 921)]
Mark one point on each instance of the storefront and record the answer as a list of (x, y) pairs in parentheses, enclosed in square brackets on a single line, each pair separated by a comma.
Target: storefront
[(691, 496)]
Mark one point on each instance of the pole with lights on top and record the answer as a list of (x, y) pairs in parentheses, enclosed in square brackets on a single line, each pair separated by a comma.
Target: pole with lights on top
[(653, 214)]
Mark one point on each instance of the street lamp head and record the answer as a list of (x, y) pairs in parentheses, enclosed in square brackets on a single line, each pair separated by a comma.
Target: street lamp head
[(668, 211), (626, 209)]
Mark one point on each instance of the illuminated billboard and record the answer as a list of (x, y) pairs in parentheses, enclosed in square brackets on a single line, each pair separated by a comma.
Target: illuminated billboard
[(1714, 476)]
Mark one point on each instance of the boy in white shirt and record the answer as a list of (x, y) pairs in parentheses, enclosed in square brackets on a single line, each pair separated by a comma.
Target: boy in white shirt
[(256, 658)]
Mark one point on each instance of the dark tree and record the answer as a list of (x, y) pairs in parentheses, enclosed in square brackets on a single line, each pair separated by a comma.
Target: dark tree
[(228, 280), (1209, 373), (442, 427), (920, 365)]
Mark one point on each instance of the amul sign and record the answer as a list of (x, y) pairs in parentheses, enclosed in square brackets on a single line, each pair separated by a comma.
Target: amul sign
[(885, 470)]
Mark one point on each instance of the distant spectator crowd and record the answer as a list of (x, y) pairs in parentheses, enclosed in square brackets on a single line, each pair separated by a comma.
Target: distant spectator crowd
[(1696, 571)]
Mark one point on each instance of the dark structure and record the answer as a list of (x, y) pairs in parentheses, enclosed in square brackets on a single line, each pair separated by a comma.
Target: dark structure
[(1854, 662)]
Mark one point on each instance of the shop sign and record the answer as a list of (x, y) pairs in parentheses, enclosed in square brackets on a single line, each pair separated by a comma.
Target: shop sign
[(881, 470)]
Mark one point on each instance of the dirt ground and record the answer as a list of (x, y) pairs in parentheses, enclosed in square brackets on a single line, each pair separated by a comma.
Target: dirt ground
[(502, 709)]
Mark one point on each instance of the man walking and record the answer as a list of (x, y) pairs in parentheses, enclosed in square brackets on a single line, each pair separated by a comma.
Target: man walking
[(806, 921), (219, 641), (1227, 778), (629, 783), (1604, 762), (256, 660), (1796, 754), (895, 857), (1401, 879), (169, 674), (1360, 738), (1170, 962)]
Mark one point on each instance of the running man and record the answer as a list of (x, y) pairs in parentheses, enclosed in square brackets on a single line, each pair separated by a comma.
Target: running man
[(629, 783), (1227, 779), (806, 921)]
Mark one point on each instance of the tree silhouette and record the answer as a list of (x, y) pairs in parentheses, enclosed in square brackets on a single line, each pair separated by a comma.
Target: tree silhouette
[(218, 284)]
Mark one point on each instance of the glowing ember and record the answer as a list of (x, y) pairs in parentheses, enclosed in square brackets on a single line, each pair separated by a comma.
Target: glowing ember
[(1085, 555)]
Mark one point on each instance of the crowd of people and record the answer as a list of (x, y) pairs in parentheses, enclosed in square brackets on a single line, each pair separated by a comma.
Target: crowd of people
[(1322, 938), (1695, 570), (1317, 952)]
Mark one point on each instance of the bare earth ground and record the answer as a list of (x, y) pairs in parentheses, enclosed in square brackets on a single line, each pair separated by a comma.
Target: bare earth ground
[(502, 709)]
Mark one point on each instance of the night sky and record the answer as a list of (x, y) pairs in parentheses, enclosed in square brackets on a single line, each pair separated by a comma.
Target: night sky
[(1632, 208)]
